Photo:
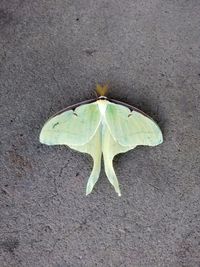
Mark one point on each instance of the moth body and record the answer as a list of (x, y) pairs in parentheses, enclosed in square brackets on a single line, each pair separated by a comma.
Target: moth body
[(102, 104)]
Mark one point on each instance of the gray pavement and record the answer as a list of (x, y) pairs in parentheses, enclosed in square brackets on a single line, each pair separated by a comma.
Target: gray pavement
[(52, 54)]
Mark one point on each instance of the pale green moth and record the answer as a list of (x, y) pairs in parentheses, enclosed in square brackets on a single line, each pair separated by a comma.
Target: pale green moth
[(101, 126)]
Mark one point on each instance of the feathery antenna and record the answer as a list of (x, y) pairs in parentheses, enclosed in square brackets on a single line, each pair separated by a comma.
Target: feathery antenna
[(102, 90)]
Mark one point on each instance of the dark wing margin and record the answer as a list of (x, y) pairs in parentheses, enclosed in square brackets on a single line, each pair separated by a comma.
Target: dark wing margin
[(129, 106), (73, 107)]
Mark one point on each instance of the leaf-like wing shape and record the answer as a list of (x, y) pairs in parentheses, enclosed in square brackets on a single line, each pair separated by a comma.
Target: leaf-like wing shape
[(132, 128), (110, 148), (72, 127), (94, 149)]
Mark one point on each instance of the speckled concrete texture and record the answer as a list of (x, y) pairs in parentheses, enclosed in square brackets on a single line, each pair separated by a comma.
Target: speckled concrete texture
[(52, 53)]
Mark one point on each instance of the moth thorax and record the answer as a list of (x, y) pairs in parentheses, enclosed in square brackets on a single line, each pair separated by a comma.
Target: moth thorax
[(102, 106)]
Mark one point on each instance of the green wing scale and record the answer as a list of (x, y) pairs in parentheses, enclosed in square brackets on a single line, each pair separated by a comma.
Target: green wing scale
[(72, 127), (101, 128), (132, 128)]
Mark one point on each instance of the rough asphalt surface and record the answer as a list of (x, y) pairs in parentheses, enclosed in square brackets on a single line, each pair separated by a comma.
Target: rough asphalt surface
[(52, 53)]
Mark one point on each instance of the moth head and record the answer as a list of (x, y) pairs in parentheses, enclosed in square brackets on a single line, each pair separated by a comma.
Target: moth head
[(102, 90)]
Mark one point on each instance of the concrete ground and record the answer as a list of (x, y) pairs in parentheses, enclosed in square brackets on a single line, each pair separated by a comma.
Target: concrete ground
[(52, 54)]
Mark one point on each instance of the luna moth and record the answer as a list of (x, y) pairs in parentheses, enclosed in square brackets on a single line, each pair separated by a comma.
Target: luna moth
[(99, 127)]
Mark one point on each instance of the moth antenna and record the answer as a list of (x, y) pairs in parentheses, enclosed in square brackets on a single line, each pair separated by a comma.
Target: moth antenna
[(102, 90)]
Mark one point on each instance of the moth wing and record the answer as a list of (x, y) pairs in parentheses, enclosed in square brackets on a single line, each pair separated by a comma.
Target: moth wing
[(132, 128), (94, 149), (110, 148), (72, 127)]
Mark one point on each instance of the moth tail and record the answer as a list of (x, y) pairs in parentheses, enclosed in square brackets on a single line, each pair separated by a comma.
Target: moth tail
[(94, 176), (110, 173)]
